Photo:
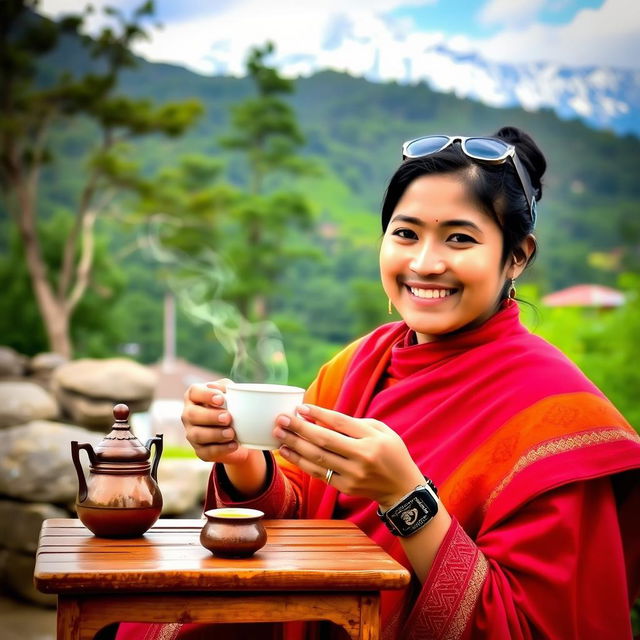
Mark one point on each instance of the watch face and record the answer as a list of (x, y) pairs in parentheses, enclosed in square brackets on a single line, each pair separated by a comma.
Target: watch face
[(409, 516), (413, 512)]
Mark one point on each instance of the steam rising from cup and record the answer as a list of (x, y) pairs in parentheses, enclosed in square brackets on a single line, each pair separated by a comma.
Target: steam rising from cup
[(198, 283)]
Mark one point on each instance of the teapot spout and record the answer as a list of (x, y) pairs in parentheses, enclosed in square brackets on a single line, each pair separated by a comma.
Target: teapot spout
[(75, 456)]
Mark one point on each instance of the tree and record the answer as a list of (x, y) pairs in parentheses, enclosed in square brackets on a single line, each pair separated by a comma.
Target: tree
[(266, 132), (29, 110), (225, 253)]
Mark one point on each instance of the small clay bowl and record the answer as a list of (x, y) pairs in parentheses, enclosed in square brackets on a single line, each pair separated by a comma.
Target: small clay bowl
[(233, 532)]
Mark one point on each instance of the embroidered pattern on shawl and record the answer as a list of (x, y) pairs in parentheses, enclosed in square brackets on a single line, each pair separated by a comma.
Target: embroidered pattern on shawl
[(165, 631), (445, 609), (561, 445), (553, 426)]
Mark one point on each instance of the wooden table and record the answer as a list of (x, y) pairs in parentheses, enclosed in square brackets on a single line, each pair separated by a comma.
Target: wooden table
[(308, 570)]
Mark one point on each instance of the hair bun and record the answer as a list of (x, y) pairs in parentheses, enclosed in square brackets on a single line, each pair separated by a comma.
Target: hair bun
[(529, 153)]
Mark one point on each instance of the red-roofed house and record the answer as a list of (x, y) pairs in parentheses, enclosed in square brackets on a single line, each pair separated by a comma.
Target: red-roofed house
[(585, 295)]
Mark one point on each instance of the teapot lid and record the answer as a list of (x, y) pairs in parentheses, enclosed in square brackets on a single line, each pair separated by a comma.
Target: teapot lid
[(120, 445)]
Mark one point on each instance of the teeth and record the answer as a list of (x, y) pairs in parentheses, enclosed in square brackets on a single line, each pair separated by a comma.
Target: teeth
[(431, 293)]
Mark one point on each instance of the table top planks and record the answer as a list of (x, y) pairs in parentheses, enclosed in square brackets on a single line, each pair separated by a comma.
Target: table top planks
[(326, 555)]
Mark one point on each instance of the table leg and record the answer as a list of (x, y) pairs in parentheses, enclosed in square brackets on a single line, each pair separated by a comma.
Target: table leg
[(68, 618), (370, 617)]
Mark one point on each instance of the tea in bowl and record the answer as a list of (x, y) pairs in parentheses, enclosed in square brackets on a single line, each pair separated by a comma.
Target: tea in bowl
[(233, 532), (255, 407)]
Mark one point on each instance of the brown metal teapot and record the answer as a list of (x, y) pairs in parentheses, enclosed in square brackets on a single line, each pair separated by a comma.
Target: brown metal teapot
[(121, 497)]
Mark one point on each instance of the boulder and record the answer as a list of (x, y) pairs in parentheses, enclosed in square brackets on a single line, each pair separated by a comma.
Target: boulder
[(16, 572), (22, 522), (183, 483), (43, 365), (88, 389), (12, 363), (36, 465), (23, 401)]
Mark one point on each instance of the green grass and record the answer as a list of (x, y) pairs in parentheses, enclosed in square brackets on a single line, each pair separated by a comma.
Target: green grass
[(174, 451)]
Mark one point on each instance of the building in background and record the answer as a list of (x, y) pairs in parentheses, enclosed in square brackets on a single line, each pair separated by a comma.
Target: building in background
[(585, 295)]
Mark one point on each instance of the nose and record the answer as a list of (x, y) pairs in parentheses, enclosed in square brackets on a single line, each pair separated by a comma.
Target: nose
[(427, 260)]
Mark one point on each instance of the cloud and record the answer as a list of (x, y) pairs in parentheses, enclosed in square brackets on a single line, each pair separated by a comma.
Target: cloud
[(512, 13), (608, 35), (352, 36), (320, 34)]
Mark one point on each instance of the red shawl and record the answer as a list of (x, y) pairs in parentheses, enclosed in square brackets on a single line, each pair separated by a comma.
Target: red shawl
[(532, 461)]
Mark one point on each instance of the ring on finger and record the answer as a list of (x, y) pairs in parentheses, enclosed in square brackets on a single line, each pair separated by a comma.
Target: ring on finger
[(328, 476)]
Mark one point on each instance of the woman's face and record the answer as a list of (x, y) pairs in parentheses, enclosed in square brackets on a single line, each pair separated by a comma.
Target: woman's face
[(441, 259)]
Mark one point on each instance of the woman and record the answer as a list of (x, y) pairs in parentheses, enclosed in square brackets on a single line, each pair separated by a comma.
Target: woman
[(534, 530)]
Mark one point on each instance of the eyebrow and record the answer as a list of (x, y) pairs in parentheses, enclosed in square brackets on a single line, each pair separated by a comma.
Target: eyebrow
[(446, 223)]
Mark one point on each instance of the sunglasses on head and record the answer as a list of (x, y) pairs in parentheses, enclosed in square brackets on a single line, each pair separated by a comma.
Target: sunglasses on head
[(487, 150)]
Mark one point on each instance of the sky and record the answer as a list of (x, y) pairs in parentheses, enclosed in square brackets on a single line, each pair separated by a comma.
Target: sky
[(213, 36)]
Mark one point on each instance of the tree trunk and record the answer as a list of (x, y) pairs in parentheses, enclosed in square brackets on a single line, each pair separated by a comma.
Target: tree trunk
[(55, 313), (58, 326)]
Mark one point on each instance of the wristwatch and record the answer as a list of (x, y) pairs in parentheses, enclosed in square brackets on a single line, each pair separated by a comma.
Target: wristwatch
[(413, 511)]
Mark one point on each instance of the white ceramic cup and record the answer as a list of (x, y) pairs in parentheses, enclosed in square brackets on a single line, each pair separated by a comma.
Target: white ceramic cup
[(254, 408)]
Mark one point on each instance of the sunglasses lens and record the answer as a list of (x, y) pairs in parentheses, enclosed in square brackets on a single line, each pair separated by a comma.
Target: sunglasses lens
[(485, 148), (425, 146)]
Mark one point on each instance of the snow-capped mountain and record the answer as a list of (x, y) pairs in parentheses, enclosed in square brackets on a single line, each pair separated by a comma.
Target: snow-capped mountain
[(605, 98)]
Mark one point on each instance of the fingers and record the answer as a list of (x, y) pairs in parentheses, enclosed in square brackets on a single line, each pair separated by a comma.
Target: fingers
[(203, 436), (197, 415), (337, 421), (229, 453), (220, 384), (204, 405), (294, 431), (207, 424), (314, 469), (312, 459), (207, 394)]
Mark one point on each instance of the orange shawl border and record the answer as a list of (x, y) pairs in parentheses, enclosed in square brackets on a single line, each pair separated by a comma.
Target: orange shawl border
[(489, 483), (481, 490)]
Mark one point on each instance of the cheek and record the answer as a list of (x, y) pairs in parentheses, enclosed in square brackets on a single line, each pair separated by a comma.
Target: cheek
[(388, 258), (480, 267)]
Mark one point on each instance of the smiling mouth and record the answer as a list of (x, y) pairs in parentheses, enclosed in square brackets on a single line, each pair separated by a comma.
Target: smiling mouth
[(431, 294)]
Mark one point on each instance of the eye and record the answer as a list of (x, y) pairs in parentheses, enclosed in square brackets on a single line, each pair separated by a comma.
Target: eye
[(461, 238), (406, 234)]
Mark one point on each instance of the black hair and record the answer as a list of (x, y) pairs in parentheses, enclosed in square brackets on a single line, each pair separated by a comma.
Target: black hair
[(495, 188)]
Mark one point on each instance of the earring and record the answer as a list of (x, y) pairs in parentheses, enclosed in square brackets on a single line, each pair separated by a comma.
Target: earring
[(389, 308), (512, 290)]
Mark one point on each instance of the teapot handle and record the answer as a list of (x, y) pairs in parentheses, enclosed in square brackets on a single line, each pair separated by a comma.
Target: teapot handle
[(158, 452), (75, 456)]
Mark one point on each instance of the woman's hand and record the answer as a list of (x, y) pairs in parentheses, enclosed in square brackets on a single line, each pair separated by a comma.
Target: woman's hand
[(368, 458), (207, 424)]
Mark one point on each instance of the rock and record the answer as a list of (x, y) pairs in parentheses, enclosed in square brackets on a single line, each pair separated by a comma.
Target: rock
[(93, 413), (88, 389), (183, 483), (22, 522), (22, 402), (36, 465), (12, 363), (43, 365), (16, 571)]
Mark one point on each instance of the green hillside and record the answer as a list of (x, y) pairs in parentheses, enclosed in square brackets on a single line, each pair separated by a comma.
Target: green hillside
[(355, 128), (589, 229)]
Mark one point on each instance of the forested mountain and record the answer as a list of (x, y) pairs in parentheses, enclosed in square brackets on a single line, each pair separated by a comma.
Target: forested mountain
[(354, 129), (589, 227)]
